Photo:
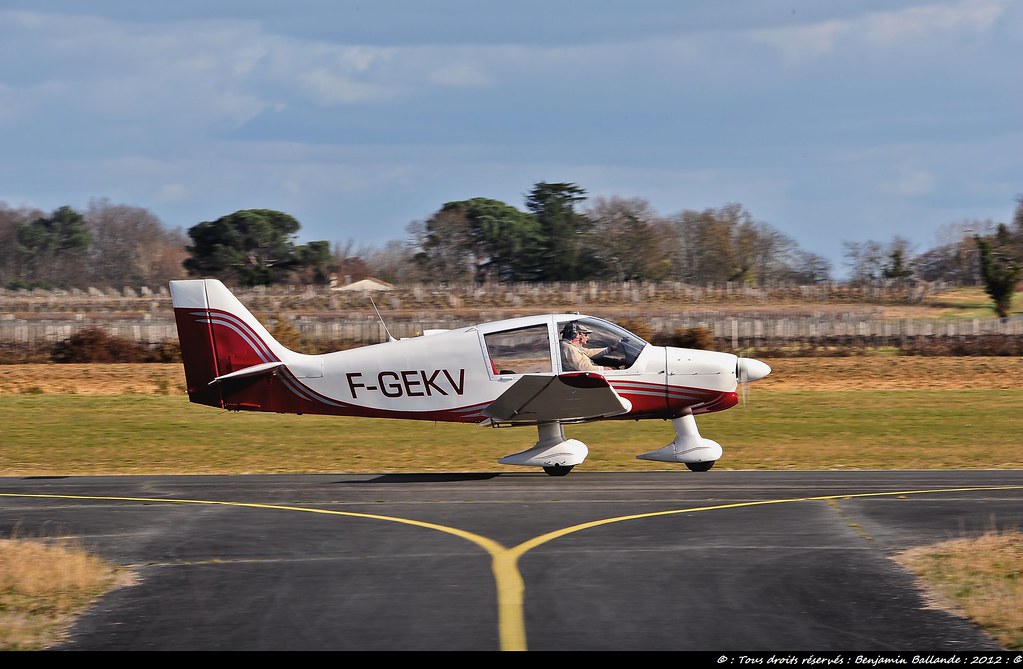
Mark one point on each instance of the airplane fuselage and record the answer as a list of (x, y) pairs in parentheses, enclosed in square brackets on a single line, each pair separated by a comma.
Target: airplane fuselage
[(452, 376)]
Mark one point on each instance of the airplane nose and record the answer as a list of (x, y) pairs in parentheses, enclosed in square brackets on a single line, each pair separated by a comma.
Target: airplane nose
[(748, 369)]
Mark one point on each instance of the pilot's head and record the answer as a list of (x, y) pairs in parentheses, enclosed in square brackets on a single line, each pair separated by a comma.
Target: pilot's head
[(573, 329)]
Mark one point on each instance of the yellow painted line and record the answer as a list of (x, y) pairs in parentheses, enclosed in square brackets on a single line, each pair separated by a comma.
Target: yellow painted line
[(485, 543), (504, 561), (511, 624)]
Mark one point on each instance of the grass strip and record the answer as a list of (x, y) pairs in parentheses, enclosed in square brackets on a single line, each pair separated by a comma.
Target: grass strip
[(865, 429)]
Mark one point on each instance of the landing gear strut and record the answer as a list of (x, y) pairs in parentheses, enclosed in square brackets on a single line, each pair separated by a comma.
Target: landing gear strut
[(553, 451), (688, 447)]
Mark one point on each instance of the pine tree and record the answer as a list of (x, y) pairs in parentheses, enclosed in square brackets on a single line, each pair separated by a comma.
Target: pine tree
[(1000, 272)]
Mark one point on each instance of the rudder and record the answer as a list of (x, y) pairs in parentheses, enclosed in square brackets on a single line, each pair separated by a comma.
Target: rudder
[(218, 335)]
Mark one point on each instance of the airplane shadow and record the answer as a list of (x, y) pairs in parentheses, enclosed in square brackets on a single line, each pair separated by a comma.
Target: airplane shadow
[(438, 477)]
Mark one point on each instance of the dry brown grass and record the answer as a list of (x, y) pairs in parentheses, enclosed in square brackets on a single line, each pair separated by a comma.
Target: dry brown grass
[(883, 372), (855, 372), (981, 579), (44, 585), (93, 379)]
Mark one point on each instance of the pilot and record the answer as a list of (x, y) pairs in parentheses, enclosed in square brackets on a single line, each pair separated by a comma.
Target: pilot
[(575, 356)]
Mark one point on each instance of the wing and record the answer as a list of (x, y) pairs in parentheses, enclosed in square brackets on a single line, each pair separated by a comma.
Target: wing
[(537, 398)]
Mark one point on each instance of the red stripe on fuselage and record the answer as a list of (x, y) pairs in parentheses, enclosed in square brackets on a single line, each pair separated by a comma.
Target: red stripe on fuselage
[(282, 392), (655, 400)]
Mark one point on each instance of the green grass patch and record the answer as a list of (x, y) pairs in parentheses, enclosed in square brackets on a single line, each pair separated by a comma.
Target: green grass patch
[(972, 302), (154, 434)]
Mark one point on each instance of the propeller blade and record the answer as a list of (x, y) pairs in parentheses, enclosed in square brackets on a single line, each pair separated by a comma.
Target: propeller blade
[(741, 378)]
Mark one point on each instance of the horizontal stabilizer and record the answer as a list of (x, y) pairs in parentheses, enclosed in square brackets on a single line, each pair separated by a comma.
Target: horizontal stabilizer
[(537, 398), (254, 370)]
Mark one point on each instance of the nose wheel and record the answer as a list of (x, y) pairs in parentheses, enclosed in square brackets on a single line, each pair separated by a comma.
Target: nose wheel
[(558, 470), (688, 447)]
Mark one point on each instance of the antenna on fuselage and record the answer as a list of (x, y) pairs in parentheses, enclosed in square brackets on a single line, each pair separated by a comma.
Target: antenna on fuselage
[(386, 331)]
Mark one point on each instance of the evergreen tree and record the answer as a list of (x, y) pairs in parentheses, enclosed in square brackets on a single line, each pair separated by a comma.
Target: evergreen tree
[(561, 227), (53, 249), (506, 240), (999, 271), (252, 246)]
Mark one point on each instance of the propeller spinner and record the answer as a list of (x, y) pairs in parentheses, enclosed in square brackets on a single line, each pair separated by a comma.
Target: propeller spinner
[(748, 369)]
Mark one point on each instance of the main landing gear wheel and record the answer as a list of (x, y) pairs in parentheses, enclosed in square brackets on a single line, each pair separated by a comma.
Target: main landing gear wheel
[(558, 470), (700, 466)]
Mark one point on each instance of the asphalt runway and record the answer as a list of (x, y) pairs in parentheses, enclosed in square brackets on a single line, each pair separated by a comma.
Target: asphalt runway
[(721, 561)]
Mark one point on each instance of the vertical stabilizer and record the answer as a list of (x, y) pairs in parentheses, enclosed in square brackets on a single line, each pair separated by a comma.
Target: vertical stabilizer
[(218, 336)]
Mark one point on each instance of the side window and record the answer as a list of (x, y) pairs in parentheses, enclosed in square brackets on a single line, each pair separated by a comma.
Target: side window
[(521, 351)]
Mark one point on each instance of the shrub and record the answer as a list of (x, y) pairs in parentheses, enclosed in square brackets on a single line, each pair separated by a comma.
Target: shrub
[(639, 327), (12, 353), (96, 345), (699, 338), (286, 334), (983, 345), (167, 351)]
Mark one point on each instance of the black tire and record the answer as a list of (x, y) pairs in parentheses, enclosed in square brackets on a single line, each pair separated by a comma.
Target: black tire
[(700, 466), (558, 470)]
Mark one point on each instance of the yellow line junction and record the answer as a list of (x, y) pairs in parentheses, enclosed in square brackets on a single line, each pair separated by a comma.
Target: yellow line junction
[(508, 580)]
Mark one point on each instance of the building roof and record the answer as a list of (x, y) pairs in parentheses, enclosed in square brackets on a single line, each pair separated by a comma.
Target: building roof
[(367, 284)]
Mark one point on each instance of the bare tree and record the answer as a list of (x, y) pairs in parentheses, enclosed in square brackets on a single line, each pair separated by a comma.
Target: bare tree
[(131, 247), (807, 268), (955, 257), (865, 260), (627, 238), (727, 244), (704, 251), (395, 263), (444, 247)]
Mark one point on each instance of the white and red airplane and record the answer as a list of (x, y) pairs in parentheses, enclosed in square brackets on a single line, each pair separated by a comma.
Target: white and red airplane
[(505, 373)]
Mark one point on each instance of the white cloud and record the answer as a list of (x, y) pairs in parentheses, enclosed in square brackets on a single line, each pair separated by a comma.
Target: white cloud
[(800, 44), (909, 181), (172, 193), (174, 75), (460, 75), (897, 29), (914, 23), (333, 88)]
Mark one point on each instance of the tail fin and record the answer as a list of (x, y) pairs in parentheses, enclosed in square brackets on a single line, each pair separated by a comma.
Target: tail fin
[(218, 336)]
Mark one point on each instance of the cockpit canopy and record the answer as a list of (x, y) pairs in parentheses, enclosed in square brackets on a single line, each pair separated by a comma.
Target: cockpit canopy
[(529, 346), (603, 334)]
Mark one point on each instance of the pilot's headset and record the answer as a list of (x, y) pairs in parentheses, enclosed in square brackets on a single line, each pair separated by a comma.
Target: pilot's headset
[(572, 328)]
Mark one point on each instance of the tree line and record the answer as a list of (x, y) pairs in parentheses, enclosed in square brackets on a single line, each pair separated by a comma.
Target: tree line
[(560, 235)]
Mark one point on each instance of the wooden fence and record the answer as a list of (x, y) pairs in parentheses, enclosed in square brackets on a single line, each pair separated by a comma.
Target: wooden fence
[(34, 321), (734, 333), (481, 296)]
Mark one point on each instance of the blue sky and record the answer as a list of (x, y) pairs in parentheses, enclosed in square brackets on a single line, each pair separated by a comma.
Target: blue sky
[(831, 120)]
